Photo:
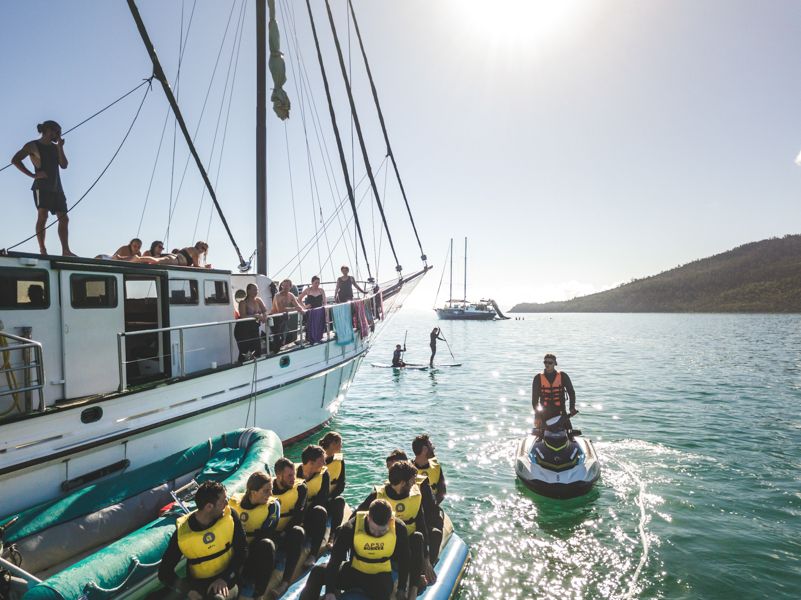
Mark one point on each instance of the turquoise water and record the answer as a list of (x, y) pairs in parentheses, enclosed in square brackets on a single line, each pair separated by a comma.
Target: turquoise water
[(697, 421)]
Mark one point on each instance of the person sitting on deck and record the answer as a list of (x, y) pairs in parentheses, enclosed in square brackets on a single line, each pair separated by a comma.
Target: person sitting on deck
[(345, 285), (258, 512), (397, 361), (375, 541), (313, 471), (130, 251), (214, 543), (289, 535), (403, 493), (426, 462)]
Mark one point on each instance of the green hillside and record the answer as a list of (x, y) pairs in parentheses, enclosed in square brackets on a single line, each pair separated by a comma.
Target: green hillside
[(760, 277)]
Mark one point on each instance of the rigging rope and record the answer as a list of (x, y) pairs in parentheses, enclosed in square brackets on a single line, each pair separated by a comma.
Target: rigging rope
[(384, 129), (101, 111), (158, 72), (103, 172), (339, 140), (441, 277), (355, 116)]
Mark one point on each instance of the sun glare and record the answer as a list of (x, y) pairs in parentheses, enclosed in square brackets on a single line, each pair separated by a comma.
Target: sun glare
[(519, 23)]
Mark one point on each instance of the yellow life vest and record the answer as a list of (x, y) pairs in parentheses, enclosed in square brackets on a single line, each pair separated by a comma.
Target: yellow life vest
[(252, 518), (406, 509), (208, 553), (288, 501), (433, 471), (371, 554), (334, 464), (314, 484)]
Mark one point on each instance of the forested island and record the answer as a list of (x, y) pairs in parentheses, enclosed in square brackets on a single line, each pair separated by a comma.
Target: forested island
[(759, 277)]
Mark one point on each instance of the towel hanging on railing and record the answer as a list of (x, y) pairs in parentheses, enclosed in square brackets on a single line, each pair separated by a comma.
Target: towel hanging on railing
[(343, 324)]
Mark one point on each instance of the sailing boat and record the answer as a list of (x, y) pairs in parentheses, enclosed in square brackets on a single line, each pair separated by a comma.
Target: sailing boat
[(110, 366), (464, 310)]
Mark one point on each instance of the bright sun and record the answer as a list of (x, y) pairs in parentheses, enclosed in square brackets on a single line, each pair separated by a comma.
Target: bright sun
[(519, 23)]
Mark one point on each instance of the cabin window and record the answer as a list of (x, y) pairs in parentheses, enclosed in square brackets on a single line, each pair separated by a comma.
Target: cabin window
[(183, 291), (216, 292), (93, 291), (24, 288)]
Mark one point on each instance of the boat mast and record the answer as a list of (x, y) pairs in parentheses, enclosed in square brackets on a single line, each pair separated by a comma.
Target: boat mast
[(450, 279), (465, 270), (261, 137)]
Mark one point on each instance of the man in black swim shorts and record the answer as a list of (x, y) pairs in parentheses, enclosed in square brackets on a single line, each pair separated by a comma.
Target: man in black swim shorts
[(47, 156)]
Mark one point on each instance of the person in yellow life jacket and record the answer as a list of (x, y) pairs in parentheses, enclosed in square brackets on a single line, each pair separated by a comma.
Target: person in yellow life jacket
[(426, 462), (258, 512), (213, 541), (549, 392), (376, 542), (435, 517), (313, 471), (404, 495), (288, 534), (331, 442)]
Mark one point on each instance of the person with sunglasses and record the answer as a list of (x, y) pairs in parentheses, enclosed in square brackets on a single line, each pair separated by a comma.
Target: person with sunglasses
[(550, 392)]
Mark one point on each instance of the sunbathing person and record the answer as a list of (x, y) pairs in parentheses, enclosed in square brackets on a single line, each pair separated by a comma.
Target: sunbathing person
[(185, 257)]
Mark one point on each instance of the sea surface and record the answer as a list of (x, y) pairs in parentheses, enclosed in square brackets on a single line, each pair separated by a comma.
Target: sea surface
[(697, 421)]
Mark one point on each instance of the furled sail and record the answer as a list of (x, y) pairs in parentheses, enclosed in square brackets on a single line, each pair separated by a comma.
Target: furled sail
[(279, 98)]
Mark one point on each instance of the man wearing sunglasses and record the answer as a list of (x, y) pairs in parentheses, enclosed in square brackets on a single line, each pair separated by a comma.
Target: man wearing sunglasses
[(549, 392)]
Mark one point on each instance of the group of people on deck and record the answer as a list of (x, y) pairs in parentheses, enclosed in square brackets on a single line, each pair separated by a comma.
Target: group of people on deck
[(286, 300), (232, 544)]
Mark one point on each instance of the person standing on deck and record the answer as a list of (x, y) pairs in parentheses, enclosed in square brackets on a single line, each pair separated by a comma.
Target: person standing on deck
[(434, 337), (345, 285), (548, 391), (47, 156)]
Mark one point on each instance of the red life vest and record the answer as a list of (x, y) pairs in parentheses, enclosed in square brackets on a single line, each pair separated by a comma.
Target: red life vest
[(552, 394)]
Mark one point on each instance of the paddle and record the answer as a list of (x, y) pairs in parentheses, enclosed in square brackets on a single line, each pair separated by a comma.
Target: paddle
[(448, 345), (404, 344)]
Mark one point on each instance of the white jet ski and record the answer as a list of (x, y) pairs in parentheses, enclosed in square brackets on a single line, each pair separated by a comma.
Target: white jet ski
[(557, 462)]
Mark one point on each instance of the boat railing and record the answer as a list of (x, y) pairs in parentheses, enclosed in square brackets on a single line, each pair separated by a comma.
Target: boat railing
[(22, 375), (190, 351)]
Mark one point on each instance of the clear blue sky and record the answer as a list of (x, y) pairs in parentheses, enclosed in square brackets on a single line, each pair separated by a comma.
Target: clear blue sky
[(578, 144)]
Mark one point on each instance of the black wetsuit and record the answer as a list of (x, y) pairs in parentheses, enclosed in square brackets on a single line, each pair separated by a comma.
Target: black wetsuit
[(48, 193), (567, 389), (261, 552), (316, 511), (434, 338), (340, 575), (173, 555), (291, 539), (396, 358)]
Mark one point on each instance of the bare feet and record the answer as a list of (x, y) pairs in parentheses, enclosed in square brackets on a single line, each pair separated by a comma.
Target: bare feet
[(68, 253), (42, 250)]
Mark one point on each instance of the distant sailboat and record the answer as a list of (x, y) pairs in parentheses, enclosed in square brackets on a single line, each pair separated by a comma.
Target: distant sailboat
[(464, 310)]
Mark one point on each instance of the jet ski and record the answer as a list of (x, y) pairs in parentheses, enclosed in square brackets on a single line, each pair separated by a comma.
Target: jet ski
[(557, 461)]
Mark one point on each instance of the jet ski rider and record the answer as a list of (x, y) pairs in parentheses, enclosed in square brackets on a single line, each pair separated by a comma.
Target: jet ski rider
[(548, 391)]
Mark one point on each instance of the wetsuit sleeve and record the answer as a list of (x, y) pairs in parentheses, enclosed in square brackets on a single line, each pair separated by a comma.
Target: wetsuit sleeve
[(240, 545), (366, 504), (300, 507), (169, 561), (401, 556), (424, 526), (340, 486), (571, 393), (535, 391), (339, 554)]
